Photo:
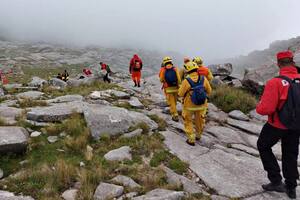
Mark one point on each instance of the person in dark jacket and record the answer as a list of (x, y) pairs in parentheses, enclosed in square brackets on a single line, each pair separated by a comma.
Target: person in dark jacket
[(274, 96), (106, 68)]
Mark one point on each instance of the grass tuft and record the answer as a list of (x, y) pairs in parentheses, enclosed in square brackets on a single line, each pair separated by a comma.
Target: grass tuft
[(229, 99)]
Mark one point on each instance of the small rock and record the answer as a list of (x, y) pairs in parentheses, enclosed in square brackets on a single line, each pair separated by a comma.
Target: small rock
[(62, 134), (89, 153), (239, 115), (82, 164), (58, 83), (125, 181), (70, 194), (128, 196), (161, 194), (120, 154), (52, 139), (107, 191), (35, 134), (133, 133), (1, 173), (135, 103), (24, 162), (37, 82)]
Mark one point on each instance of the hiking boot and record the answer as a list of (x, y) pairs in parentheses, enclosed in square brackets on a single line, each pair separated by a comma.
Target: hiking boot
[(274, 187), (190, 143), (198, 138), (291, 193), (139, 85), (175, 118)]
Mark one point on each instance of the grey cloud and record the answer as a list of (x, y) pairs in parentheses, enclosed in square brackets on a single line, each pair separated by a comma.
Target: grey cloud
[(211, 28)]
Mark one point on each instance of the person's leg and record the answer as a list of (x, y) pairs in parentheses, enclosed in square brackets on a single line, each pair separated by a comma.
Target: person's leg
[(133, 76), (268, 137), (188, 126), (139, 74), (290, 151), (173, 109), (200, 122)]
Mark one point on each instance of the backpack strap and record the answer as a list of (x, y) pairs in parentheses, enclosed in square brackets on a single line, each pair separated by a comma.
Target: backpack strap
[(285, 78)]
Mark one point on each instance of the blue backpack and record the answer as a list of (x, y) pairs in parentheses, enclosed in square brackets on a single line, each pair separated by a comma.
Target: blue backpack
[(199, 95), (171, 77)]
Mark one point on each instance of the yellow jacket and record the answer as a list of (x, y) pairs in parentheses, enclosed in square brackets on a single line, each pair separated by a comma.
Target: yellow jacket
[(185, 92), (173, 89)]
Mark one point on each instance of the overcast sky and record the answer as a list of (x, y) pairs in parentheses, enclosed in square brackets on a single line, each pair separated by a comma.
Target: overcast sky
[(210, 28)]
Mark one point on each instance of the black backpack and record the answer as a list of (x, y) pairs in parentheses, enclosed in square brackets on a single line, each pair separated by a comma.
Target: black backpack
[(289, 114)]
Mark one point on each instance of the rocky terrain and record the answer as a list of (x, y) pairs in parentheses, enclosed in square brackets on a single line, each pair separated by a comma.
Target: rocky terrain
[(89, 140), (20, 55)]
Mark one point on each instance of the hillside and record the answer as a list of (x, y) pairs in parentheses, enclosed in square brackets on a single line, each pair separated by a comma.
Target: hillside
[(262, 58), (42, 55)]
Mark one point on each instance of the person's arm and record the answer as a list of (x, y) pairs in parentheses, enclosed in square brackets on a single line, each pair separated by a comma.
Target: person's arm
[(207, 86), (161, 75), (269, 100), (184, 88), (210, 76), (178, 76)]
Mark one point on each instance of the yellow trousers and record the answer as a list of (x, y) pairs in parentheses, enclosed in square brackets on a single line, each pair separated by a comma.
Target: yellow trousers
[(172, 102), (199, 121)]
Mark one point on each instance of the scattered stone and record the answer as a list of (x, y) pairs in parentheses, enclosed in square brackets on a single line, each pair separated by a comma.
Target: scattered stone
[(128, 196), (55, 113), (24, 162), (70, 194), (134, 133), (135, 103), (114, 120), (52, 139), (66, 98), (35, 134), (37, 124), (239, 115), (82, 164), (4, 195), (13, 139), (9, 114), (107, 191), (120, 154), (30, 95), (58, 83), (2, 92), (125, 181), (1, 173), (109, 94), (37, 82), (246, 126), (62, 134), (161, 194), (178, 180), (254, 115)]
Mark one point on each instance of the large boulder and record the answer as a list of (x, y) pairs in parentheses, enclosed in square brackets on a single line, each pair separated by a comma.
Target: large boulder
[(162, 194), (30, 95), (66, 98), (110, 120), (55, 113), (221, 69), (58, 83), (9, 114), (13, 139), (107, 191), (4, 195), (37, 82)]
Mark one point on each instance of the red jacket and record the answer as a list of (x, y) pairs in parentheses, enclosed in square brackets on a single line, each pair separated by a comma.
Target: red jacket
[(133, 61), (274, 96)]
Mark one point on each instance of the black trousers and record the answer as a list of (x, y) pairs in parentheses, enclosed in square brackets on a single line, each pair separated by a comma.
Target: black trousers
[(269, 136), (105, 78)]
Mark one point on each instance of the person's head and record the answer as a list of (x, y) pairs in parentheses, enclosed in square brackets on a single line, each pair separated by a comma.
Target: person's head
[(167, 61), (285, 58), (190, 67), (198, 60), (186, 60), (101, 63), (58, 74)]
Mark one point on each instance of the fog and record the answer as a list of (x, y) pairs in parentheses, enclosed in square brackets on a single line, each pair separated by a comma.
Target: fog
[(212, 28)]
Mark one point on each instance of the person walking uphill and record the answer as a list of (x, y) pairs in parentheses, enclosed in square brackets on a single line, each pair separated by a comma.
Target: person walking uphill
[(170, 78), (106, 68), (194, 90), (281, 102), (135, 68), (203, 70)]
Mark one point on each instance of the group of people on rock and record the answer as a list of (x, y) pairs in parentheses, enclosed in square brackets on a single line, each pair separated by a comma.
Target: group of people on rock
[(192, 85), (64, 76)]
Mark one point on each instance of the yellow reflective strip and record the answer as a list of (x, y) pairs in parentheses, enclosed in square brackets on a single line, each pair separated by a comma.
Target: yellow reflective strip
[(195, 108), (171, 90)]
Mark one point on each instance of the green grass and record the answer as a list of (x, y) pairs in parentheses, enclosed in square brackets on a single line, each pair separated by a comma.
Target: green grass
[(162, 124), (229, 99), (27, 103), (81, 90), (166, 158), (142, 125)]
